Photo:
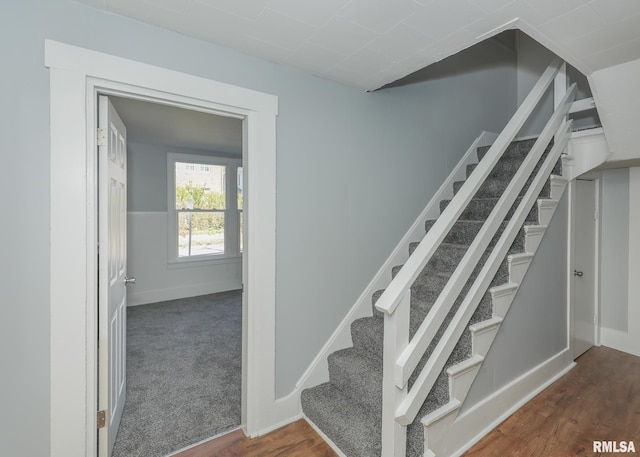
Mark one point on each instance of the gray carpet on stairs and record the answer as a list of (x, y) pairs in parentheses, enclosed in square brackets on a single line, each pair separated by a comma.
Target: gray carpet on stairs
[(348, 408), (184, 361)]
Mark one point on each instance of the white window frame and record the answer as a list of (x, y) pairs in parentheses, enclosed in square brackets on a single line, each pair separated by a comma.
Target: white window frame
[(232, 223)]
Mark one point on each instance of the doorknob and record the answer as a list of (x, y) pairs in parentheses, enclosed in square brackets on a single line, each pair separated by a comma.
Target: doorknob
[(575, 273), (132, 280)]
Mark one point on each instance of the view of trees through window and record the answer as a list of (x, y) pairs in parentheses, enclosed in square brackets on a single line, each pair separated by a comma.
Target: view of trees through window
[(200, 204)]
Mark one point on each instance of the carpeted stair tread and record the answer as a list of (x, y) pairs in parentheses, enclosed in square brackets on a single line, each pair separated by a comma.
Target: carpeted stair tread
[(367, 336), (517, 150), (349, 425), (493, 187), (507, 167), (358, 377), (503, 167), (452, 249), (446, 257), (464, 233), (479, 209)]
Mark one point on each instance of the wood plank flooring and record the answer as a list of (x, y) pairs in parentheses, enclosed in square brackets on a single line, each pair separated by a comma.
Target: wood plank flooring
[(598, 400), (294, 440)]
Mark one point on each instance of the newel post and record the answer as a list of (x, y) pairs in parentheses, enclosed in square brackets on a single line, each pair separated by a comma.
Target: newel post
[(396, 339), (560, 85)]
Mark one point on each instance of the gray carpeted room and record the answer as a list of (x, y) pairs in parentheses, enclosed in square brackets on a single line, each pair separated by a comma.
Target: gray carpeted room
[(183, 373)]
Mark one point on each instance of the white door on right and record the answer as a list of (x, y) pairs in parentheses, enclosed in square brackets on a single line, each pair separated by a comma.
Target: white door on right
[(583, 268)]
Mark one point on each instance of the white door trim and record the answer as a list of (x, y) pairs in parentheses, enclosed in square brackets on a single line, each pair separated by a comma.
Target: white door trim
[(77, 75)]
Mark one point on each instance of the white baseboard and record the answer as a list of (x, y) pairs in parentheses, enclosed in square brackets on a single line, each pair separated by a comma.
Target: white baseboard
[(173, 293), (619, 340), (472, 425)]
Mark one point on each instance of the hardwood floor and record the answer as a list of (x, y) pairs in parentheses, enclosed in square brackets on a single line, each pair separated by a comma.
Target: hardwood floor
[(598, 400), (294, 440)]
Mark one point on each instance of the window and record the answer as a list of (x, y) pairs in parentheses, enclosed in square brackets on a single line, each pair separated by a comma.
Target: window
[(205, 207)]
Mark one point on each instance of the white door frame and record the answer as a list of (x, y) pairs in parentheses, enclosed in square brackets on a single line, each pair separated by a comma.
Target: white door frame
[(596, 177), (77, 75)]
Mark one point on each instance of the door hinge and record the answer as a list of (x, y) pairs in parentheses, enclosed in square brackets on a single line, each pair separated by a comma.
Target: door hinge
[(102, 419), (102, 137)]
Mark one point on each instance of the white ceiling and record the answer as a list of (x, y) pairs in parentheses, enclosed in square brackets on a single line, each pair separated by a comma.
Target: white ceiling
[(165, 125), (369, 43)]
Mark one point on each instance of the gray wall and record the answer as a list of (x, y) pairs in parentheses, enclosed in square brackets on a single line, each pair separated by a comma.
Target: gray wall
[(353, 171), (535, 328), (614, 249), (146, 177)]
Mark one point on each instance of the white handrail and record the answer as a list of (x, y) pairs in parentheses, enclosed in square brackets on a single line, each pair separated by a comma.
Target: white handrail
[(410, 357), (392, 295)]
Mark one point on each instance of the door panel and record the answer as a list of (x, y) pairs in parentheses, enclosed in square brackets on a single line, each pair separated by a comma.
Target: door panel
[(112, 303), (583, 283)]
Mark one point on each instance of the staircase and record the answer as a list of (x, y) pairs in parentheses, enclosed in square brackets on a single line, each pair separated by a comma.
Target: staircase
[(397, 389), (348, 409)]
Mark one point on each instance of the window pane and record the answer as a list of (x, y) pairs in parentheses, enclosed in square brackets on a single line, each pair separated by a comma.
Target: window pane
[(200, 233), (200, 186), (240, 187)]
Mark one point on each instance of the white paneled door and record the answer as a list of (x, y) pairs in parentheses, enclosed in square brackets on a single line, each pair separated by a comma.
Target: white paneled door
[(112, 267), (583, 272)]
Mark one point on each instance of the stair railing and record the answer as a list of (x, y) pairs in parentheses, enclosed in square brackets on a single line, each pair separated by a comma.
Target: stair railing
[(399, 406)]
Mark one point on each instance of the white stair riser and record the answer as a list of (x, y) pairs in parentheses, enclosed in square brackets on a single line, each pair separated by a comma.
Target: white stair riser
[(546, 208), (518, 268), (481, 340), (557, 187), (532, 239), (501, 299), (435, 432), (460, 384)]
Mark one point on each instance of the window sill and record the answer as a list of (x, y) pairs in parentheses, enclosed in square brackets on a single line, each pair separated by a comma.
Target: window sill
[(205, 262)]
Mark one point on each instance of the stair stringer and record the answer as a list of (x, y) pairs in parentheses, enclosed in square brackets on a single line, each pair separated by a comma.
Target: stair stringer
[(318, 371), (439, 423)]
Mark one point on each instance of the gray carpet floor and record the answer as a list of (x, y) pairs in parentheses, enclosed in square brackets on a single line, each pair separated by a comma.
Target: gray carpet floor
[(184, 362)]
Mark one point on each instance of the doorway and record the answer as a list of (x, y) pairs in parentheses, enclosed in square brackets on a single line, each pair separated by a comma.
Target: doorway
[(584, 272), (77, 75), (180, 235)]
